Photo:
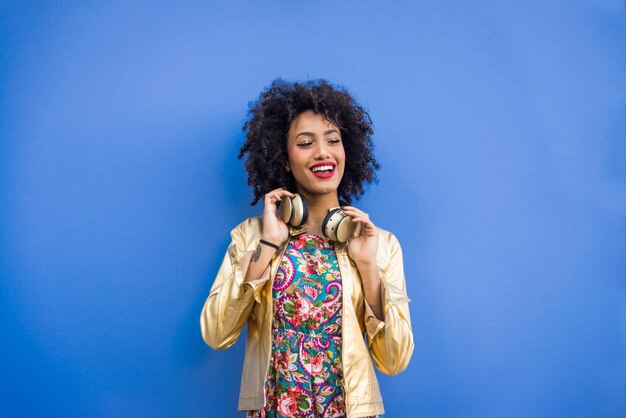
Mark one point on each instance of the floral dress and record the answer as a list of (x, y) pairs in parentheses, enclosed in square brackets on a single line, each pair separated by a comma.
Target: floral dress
[(305, 378)]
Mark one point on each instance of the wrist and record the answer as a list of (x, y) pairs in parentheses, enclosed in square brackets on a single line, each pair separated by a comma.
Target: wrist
[(366, 266), (269, 243), (273, 239)]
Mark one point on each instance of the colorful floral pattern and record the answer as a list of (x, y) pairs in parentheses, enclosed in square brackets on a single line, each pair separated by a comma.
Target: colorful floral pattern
[(305, 377)]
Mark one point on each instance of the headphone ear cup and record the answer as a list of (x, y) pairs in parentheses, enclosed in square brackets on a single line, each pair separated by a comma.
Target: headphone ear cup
[(346, 228), (305, 209), (285, 210), (300, 210), (331, 222)]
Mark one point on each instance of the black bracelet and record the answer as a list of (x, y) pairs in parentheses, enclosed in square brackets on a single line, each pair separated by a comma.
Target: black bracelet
[(262, 241)]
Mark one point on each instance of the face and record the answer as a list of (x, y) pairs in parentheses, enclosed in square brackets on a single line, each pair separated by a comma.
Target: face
[(316, 154)]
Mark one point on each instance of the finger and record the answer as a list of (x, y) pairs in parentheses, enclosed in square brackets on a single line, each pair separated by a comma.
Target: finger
[(364, 222), (279, 193), (355, 212), (272, 198), (282, 191), (367, 226), (352, 209)]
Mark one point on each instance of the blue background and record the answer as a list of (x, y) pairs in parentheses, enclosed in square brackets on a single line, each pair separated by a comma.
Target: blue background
[(501, 129)]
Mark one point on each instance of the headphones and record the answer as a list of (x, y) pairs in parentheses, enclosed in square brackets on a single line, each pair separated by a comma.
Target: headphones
[(336, 226)]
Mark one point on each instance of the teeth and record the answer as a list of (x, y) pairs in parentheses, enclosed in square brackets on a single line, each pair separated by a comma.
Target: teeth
[(323, 168)]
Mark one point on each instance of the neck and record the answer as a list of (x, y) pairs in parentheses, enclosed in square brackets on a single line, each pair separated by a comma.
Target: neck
[(318, 209)]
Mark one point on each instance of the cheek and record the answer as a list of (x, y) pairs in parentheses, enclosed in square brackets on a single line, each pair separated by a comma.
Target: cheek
[(341, 156), (341, 153), (296, 161)]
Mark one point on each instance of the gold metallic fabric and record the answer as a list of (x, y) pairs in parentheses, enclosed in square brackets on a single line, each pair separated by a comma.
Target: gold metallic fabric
[(232, 303)]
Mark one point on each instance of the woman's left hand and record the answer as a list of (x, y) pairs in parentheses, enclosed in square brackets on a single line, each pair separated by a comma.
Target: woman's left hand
[(363, 248)]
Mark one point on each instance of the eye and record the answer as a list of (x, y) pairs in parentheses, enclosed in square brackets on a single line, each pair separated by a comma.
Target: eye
[(304, 144), (334, 140)]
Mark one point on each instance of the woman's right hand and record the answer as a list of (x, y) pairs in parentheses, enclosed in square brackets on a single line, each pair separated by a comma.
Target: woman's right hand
[(274, 229)]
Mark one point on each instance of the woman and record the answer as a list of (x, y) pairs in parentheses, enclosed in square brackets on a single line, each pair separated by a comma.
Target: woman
[(308, 300)]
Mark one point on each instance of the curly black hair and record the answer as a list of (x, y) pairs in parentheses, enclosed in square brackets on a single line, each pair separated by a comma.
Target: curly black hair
[(267, 126)]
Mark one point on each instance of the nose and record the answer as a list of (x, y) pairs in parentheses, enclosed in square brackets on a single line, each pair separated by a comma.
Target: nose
[(321, 151)]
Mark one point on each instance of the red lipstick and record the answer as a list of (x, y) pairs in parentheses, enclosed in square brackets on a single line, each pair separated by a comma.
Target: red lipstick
[(325, 170)]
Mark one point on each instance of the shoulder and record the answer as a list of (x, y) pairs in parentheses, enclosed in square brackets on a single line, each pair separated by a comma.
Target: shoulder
[(388, 247), (386, 237), (247, 232), (253, 223)]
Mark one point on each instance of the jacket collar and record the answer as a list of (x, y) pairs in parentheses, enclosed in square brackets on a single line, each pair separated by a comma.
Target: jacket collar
[(297, 230)]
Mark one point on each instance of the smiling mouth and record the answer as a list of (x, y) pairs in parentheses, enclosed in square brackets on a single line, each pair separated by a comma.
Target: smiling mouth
[(323, 171)]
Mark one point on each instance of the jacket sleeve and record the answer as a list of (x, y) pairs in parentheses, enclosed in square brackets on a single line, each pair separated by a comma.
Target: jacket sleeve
[(391, 341), (230, 300)]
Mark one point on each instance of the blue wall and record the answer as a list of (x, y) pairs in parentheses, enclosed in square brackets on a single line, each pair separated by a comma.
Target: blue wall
[(501, 129)]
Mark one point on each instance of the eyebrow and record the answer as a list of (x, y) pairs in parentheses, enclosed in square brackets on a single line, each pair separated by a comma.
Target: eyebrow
[(311, 134)]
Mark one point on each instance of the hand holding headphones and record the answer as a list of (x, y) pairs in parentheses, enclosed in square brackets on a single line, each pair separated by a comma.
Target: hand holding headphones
[(274, 230), (363, 248)]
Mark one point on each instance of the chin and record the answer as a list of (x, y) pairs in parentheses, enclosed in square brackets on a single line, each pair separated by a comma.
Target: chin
[(324, 191), (317, 188)]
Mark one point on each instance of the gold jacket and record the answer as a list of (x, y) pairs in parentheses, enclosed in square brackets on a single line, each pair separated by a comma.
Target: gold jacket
[(232, 302)]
